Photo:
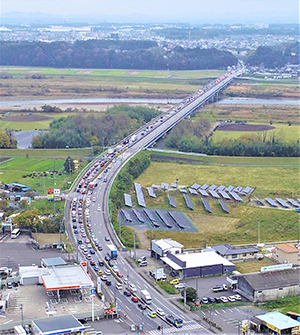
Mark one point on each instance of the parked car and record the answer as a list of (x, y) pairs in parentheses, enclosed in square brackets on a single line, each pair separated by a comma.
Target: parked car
[(231, 299), (179, 286), (212, 300), (174, 281), (223, 299), (204, 300), (143, 263)]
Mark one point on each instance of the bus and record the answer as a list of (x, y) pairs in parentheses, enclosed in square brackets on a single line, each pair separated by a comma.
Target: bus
[(15, 233)]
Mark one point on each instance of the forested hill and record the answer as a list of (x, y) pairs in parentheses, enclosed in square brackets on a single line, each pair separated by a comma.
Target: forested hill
[(142, 55)]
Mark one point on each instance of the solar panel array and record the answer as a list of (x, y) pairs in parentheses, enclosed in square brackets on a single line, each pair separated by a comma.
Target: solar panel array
[(206, 205), (238, 189), (151, 217), (164, 186), (229, 188), (203, 192), (126, 215), (183, 190), (172, 201), (139, 194), (258, 201), (195, 186), (177, 219), (293, 202), (138, 215), (225, 195), (151, 192), (214, 194), (188, 202), (166, 220), (192, 191), (213, 187), (282, 203), (224, 207), (271, 202), (174, 185), (221, 188), (247, 190), (236, 197), (128, 200), (155, 187), (204, 187)]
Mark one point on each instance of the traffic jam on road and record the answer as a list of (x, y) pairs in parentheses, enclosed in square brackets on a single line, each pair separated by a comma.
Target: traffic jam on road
[(102, 255)]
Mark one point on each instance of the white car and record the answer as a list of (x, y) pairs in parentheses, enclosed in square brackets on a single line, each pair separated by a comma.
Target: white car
[(237, 297), (223, 299), (231, 299), (115, 268), (107, 272), (179, 286), (99, 209), (132, 287), (119, 286), (160, 312)]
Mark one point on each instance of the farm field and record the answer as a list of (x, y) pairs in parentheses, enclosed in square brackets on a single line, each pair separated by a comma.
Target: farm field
[(238, 227), (50, 153)]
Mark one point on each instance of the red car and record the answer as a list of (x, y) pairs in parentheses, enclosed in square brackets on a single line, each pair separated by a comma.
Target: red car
[(135, 299), (119, 274)]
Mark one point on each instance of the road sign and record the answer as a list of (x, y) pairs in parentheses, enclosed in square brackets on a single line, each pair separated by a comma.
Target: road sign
[(93, 291)]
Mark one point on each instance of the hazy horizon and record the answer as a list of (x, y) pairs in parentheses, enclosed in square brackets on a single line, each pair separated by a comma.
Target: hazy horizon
[(160, 11)]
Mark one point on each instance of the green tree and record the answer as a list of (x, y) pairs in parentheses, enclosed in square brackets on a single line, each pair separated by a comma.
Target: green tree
[(191, 294), (69, 165)]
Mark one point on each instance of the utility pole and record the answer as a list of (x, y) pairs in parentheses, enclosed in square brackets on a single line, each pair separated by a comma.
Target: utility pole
[(258, 233), (134, 245)]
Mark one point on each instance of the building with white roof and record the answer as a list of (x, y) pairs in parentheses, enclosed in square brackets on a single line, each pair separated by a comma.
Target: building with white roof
[(159, 248), (198, 264)]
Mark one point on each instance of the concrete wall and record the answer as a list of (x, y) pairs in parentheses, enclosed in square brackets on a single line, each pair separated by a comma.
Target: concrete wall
[(266, 295), (244, 286)]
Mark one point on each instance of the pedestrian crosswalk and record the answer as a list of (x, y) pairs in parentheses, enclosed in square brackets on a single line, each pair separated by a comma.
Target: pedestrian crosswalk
[(172, 330)]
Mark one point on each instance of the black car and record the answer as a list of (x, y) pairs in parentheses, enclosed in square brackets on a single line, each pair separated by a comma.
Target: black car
[(92, 263), (142, 306), (212, 300), (127, 293), (110, 263), (74, 226), (75, 231), (100, 263), (107, 258), (108, 283), (92, 251), (99, 248), (218, 300), (79, 241)]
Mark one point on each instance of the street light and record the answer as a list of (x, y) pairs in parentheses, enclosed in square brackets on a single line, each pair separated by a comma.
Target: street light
[(21, 309)]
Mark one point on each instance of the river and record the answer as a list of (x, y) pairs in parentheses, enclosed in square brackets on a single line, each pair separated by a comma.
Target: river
[(238, 101)]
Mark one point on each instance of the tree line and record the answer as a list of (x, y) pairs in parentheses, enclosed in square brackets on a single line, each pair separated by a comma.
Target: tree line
[(79, 131), (113, 54), (7, 141), (189, 136)]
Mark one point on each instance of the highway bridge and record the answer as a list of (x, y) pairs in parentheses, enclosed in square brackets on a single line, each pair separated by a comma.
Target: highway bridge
[(99, 218)]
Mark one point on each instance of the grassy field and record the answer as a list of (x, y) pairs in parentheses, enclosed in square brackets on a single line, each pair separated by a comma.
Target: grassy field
[(253, 266), (42, 153), (241, 225)]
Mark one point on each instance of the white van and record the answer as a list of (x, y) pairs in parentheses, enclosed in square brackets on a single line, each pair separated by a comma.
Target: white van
[(119, 286)]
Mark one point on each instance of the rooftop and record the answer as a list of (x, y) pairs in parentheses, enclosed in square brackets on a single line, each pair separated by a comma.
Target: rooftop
[(278, 320), (287, 247), (53, 261), (60, 323), (273, 279), (227, 249), (66, 277), (167, 244)]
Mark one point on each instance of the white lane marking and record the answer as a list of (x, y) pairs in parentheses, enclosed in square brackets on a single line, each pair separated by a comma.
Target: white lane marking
[(128, 307), (223, 311)]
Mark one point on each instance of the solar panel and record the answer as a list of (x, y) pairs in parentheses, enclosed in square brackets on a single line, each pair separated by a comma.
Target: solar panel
[(155, 186), (214, 194), (282, 203), (192, 191), (225, 195), (247, 190), (139, 194), (238, 189), (204, 187), (128, 201), (138, 215), (203, 192), (271, 202), (126, 215), (206, 205), (224, 207), (213, 187), (183, 190), (221, 188), (172, 201), (229, 188), (195, 186), (151, 217), (177, 219), (164, 186), (166, 220), (188, 202), (174, 185), (293, 202), (236, 197), (151, 192), (259, 202)]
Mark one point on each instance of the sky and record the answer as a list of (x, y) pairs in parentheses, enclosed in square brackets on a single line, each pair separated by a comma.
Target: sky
[(193, 11)]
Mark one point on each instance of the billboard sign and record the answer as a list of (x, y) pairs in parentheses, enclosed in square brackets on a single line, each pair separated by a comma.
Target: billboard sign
[(276, 267)]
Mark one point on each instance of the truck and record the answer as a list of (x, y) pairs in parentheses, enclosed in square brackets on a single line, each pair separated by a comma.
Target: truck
[(19, 330), (146, 297), (113, 251), (158, 274), (177, 322), (133, 138), (220, 288)]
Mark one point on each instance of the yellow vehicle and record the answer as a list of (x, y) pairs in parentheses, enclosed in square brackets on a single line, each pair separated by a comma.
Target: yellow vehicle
[(152, 314), (174, 281), (100, 272)]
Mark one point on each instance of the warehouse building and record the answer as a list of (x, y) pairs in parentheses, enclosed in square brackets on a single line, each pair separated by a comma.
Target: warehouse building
[(198, 264), (269, 285), (159, 248)]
